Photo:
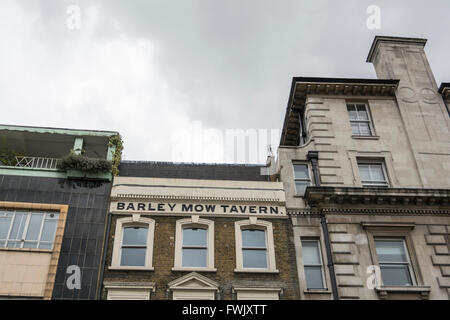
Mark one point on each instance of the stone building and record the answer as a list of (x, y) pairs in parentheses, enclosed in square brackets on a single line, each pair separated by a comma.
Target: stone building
[(365, 165), (198, 231), (52, 218)]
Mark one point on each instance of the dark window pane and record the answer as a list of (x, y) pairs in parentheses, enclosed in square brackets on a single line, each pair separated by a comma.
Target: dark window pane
[(253, 238), (254, 258), (314, 277), (13, 244), (364, 129), (194, 258), (301, 171), (30, 244), (34, 227), (352, 111), (311, 252), (194, 237), (5, 223), (390, 251), (46, 245), (355, 129), (133, 257), (48, 231), (134, 236), (300, 187), (396, 275), (18, 226)]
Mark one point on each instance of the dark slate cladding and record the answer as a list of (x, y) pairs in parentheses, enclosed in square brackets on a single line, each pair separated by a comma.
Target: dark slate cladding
[(85, 225), (150, 169)]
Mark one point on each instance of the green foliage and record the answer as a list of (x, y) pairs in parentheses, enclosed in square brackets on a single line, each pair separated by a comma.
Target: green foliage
[(116, 141), (74, 161), (7, 154)]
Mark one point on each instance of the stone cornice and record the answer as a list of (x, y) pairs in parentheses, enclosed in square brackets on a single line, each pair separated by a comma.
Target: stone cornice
[(324, 197), (348, 87), (397, 40), (369, 211)]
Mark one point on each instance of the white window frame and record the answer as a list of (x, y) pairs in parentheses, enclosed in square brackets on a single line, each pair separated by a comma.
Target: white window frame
[(324, 284), (408, 262), (369, 119), (129, 291), (257, 293), (372, 183), (194, 222), (308, 167), (135, 221), (258, 224), (23, 240)]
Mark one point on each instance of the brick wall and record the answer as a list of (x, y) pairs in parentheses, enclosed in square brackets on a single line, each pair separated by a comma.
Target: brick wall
[(224, 260)]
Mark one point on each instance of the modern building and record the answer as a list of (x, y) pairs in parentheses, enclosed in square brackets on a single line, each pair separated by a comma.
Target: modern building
[(198, 231), (54, 198), (365, 165)]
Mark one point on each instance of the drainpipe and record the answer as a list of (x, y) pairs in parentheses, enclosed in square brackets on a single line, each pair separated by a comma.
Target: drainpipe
[(105, 249), (313, 156)]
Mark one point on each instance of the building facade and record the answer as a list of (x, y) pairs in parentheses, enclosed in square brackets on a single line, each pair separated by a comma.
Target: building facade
[(366, 170), (193, 231), (54, 197)]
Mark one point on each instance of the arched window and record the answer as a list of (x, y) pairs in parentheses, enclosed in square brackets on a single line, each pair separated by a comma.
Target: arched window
[(255, 251), (194, 245), (133, 243)]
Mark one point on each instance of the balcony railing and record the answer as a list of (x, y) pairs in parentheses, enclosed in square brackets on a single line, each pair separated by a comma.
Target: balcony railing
[(30, 162)]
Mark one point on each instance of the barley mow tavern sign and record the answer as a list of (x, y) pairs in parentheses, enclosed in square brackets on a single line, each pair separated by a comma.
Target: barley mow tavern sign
[(198, 197)]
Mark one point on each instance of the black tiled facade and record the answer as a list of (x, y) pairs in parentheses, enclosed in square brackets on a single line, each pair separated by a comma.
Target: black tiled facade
[(152, 169), (85, 226)]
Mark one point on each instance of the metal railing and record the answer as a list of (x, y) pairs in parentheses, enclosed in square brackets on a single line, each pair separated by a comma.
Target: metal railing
[(30, 162)]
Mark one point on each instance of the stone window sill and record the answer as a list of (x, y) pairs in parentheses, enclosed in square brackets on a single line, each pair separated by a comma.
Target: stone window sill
[(27, 249), (131, 268), (366, 137), (194, 269), (384, 291), (317, 291), (256, 270)]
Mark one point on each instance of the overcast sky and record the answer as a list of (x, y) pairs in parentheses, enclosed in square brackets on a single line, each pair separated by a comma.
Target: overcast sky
[(159, 70)]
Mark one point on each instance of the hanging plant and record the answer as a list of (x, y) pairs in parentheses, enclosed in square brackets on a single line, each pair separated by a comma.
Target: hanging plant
[(74, 161), (116, 141)]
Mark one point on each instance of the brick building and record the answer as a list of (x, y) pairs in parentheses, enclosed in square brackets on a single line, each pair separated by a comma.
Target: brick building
[(366, 170), (198, 231)]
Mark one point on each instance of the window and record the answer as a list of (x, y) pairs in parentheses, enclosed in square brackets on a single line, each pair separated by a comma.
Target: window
[(257, 293), (302, 178), (129, 290), (254, 249), (26, 229), (133, 243), (254, 246), (134, 246), (360, 119), (394, 262), (194, 245), (312, 262), (372, 175)]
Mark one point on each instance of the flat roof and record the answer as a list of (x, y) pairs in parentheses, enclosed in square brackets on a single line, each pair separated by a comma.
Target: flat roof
[(74, 132)]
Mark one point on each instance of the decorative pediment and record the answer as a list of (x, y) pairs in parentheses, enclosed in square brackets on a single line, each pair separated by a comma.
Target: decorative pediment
[(195, 281)]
